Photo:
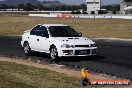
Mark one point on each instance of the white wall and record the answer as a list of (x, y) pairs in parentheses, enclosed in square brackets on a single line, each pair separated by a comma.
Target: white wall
[(88, 16), (93, 5)]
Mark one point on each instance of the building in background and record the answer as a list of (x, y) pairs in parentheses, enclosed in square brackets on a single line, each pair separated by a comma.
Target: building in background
[(93, 6), (126, 7)]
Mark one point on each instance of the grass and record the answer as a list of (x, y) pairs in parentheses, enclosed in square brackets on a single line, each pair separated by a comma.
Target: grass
[(14, 75), (114, 28), (19, 76)]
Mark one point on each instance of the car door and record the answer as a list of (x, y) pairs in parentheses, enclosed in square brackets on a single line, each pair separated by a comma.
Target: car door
[(44, 42), (33, 38)]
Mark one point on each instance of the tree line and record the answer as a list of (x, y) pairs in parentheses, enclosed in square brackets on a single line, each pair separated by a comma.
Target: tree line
[(40, 7)]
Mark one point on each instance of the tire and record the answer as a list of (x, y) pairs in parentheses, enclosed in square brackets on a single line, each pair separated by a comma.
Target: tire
[(26, 48), (53, 53)]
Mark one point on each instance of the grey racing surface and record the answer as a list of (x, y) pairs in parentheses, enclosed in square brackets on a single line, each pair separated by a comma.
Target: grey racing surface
[(114, 56)]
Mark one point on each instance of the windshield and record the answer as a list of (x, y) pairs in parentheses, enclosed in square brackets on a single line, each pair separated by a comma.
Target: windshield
[(62, 31)]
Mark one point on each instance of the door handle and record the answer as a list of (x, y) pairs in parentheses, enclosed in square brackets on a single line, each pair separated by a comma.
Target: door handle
[(37, 39)]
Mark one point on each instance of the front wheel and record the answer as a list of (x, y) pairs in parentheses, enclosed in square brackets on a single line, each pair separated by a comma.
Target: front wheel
[(26, 48), (53, 53)]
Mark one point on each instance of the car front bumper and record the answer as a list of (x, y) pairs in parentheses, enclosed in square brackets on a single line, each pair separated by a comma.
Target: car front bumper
[(68, 52)]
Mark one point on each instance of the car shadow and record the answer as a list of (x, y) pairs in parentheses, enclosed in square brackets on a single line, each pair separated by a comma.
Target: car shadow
[(44, 56), (79, 59), (38, 54)]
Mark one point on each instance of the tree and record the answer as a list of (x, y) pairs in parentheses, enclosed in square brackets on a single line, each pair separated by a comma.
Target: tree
[(12, 7), (4, 7), (35, 6), (40, 7), (63, 7), (111, 7), (108, 7), (114, 11), (29, 7), (83, 7), (21, 6)]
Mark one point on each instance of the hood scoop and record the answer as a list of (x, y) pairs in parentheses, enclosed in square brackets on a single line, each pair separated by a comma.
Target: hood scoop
[(73, 38), (69, 39)]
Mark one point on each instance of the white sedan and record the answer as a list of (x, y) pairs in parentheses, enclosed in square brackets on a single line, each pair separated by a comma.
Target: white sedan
[(58, 40)]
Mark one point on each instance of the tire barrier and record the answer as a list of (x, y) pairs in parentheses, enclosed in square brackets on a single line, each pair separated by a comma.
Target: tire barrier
[(65, 16)]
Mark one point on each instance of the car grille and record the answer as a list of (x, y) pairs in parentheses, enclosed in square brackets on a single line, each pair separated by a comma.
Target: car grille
[(82, 46), (82, 52)]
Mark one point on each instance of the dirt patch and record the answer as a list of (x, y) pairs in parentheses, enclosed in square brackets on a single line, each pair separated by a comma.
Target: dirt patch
[(54, 67)]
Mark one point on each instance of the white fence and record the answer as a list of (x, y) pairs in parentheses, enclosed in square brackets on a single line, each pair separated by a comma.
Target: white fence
[(87, 16), (43, 15)]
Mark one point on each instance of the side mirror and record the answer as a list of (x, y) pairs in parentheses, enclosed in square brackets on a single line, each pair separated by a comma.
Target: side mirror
[(80, 34)]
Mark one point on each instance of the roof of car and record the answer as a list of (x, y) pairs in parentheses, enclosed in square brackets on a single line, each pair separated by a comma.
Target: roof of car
[(53, 25)]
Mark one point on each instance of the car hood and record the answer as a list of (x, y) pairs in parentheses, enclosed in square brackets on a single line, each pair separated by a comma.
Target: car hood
[(74, 40)]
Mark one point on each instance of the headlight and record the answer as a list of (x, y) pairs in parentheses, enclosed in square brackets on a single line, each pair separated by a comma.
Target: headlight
[(67, 46), (93, 45)]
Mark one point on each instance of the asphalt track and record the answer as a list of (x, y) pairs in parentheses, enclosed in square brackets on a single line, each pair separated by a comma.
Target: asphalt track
[(114, 57)]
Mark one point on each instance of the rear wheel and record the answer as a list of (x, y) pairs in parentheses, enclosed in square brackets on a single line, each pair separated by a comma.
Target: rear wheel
[(26, 48), (53, 53)]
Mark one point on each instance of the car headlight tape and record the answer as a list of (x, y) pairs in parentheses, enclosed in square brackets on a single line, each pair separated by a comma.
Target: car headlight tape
[(67, 46)]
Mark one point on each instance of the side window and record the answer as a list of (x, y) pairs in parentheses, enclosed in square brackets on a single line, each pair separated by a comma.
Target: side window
[(35, 31), (44, 32)]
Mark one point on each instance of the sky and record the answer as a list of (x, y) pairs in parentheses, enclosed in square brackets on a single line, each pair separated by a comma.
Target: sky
[(107, 2)]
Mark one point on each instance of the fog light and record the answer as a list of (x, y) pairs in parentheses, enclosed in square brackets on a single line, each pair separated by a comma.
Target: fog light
[(68, 52), (94, 51), (71, 52)]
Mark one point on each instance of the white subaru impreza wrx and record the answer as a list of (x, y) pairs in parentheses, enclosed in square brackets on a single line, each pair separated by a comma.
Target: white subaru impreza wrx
[(58, 40)]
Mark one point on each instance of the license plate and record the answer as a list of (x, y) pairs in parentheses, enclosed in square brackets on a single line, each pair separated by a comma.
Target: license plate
[(83, 52)]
